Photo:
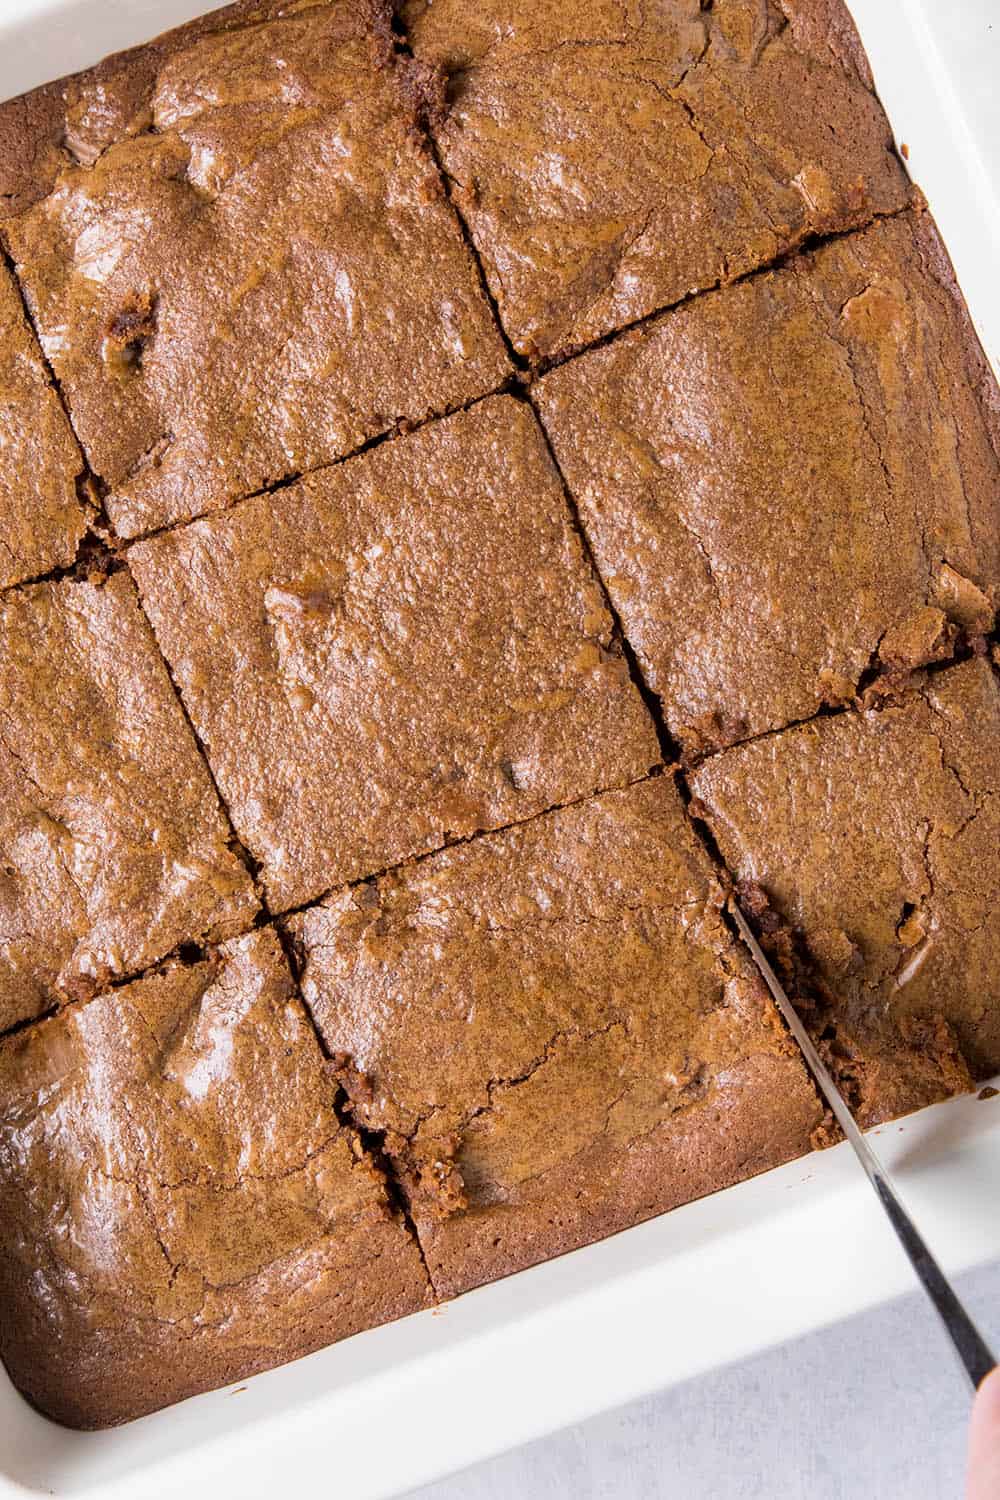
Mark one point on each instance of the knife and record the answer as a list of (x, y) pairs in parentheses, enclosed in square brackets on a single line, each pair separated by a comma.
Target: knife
[(973, 1352)]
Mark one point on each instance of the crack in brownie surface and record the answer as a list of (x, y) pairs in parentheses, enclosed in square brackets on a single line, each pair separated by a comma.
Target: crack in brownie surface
[(113, 848), (611, 158), (305, 285), (179, 1204), (790, 483), (555, 1031)]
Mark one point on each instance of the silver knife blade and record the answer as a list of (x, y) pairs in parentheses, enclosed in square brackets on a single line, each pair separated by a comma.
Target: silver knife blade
[(973, 1352)]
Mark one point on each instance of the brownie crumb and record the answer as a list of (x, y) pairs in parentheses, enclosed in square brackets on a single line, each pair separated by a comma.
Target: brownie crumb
[(129, 331)]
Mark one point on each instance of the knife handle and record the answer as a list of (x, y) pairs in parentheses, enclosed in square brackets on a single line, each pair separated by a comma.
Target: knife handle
[(973, 1352)]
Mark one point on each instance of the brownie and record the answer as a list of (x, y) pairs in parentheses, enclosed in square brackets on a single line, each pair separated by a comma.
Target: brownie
[(41, 519), (792, 485), (611, 159), (555, 1031), (263, 277), (179, 1204), (397, 651), (113, 848), (873, 836)]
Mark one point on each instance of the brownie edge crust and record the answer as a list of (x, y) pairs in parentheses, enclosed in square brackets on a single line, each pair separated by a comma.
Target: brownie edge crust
[(179, 1204)]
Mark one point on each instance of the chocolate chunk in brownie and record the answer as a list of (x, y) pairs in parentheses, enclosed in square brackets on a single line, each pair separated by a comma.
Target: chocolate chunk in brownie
[(611, 159), (555, 1031), (113, 847), (41, 519), (400, 650), (792, 484), (874, 837), (179, 1204), (263, 276)]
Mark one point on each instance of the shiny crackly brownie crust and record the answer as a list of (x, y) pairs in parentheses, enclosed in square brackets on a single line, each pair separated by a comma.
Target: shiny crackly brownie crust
[(407, 648), (70, 121), (42, 521), (113, 847), (248, 267)]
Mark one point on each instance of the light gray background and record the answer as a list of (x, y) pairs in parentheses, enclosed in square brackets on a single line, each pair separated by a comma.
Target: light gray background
[(871, 1409)]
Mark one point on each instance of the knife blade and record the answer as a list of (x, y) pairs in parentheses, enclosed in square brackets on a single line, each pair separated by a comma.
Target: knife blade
[(972, 1350)]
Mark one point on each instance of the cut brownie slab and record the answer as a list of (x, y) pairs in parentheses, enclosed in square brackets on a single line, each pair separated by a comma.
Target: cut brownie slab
[(113, 848), (179, 1204), (555, 1031), (791, 482), (259, 279), (874, 836), (404, 648), (41, 520), (610, 158)]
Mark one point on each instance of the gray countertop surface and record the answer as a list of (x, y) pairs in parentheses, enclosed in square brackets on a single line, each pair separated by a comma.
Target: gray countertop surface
[(870, 1409)]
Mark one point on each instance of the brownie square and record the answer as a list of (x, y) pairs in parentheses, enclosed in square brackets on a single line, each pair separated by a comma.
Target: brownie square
[(179, 1204), (41, 520), (874, 837), (261, 277), (612, 159), (113, 848), (793, 484), (397, 651), (555, 1031)]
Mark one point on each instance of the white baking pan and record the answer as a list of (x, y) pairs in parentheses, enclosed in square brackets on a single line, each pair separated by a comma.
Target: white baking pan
[(763, 1262)]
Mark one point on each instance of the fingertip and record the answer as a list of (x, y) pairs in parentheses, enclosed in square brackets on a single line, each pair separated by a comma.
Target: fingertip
[(984, 1441), (988, 1395)]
